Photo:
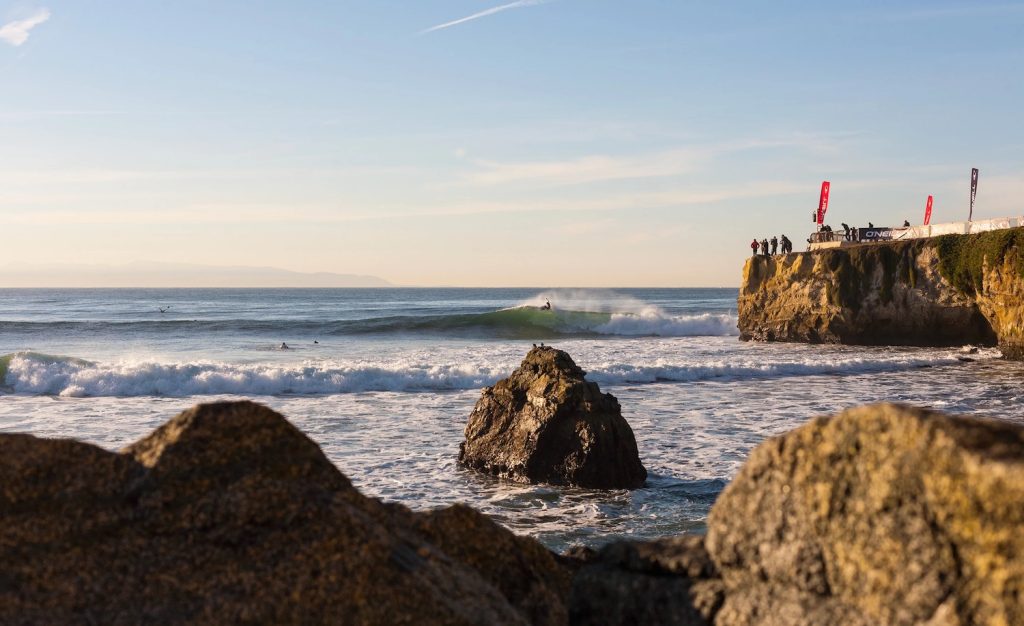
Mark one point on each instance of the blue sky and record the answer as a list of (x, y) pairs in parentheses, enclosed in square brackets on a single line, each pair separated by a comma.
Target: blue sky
[(559, 143)]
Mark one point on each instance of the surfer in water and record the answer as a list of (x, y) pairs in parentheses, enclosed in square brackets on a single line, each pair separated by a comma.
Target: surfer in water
[(284, 346), (547, 306)]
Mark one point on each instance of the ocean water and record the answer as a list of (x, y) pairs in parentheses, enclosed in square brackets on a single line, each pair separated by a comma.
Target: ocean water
[(384, 379)]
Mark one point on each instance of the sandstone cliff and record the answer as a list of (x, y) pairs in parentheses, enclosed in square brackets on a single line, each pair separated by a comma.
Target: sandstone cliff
[(950, 290)]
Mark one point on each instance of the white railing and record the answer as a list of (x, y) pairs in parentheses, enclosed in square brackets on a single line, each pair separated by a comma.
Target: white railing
[(957, 228), (823, 239)]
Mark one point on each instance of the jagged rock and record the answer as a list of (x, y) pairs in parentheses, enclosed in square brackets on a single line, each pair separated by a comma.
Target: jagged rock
[(881, 515), (546, 424), (228, 514)]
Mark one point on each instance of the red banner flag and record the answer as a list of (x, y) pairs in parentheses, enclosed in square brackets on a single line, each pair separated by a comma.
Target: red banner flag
[(823, 202), (928, 212)]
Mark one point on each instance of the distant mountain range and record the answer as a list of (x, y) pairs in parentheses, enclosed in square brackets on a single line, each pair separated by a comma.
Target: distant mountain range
[(153, 274)]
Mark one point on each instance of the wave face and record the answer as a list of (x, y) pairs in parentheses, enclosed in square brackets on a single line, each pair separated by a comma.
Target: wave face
[(40, 374), (525, 322)]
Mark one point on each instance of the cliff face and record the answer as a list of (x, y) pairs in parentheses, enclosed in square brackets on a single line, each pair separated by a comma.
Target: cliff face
[(949, 290)]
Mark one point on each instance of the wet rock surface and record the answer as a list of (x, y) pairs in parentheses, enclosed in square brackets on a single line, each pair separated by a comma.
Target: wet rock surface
[(229, 514), (546, 424)]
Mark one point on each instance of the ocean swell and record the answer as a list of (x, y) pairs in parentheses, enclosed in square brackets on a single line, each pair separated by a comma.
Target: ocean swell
[(516, 323)]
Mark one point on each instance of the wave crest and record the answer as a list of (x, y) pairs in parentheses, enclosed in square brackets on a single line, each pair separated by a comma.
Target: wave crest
[(34, 373)]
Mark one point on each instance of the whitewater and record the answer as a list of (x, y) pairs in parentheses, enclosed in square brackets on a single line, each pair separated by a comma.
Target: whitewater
[(384, 379)]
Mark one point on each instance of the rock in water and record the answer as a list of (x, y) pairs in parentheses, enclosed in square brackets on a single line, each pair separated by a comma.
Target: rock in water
[(546, 424), (882, 515), (228, 514)]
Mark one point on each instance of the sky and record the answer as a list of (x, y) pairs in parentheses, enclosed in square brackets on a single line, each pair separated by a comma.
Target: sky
[(585, 143)]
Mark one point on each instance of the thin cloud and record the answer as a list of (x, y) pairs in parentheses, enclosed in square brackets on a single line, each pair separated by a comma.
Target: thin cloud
[(519, 4), (16, 32)]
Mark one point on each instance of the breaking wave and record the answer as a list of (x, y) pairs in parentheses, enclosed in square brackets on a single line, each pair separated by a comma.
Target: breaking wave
[(40, 374)]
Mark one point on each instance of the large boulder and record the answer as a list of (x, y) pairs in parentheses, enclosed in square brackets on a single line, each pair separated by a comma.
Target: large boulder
[(881, 515), (228, 514), (546, 424)]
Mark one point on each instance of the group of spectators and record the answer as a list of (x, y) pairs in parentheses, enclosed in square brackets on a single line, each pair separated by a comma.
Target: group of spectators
[(769, 248)]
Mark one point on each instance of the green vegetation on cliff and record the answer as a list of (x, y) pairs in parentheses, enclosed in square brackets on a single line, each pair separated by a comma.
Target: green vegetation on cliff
[(855, 267), (962, 257)]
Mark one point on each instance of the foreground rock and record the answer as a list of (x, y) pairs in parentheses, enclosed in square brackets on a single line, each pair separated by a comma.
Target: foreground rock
[(228, 514), (946, 291), (881, 515), (546, 424)]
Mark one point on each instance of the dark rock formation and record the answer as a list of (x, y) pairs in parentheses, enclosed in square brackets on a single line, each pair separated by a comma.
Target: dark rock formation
[(546, 424), (881, 515), (949, 290), (668, 581), (228, 514)]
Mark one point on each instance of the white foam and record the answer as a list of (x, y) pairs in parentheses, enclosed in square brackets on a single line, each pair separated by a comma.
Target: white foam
[(653, 322), (29, 373)]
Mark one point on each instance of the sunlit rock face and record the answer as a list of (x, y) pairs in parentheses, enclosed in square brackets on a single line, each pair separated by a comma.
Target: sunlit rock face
[(951, 290)]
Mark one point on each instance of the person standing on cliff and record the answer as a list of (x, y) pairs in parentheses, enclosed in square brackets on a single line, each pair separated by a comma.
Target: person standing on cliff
[(775, 245), (753, 247), (764, 247)]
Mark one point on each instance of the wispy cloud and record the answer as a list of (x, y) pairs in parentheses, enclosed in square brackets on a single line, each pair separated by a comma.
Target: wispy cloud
[(660, 164), (16, 32), (519, 4)]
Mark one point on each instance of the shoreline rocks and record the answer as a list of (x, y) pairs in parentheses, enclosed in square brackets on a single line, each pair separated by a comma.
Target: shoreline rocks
[(227, 513), (546, 424)]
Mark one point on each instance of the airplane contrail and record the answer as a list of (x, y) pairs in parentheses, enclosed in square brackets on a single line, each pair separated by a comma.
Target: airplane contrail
[(491, 11)]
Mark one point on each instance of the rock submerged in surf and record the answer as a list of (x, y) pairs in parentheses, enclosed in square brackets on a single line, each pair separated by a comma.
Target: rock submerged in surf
[(546, 424)]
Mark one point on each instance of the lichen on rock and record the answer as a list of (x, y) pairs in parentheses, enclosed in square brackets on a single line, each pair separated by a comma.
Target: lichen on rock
[(546, 424)]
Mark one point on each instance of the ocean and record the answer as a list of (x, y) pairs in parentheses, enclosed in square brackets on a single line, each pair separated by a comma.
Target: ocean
[(384, 380)]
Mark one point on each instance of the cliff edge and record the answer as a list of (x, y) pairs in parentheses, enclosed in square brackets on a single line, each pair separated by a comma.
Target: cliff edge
[(944, 291)]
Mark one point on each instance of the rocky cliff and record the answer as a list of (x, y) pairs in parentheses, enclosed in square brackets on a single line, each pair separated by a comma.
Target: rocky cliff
[(949, 290)]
